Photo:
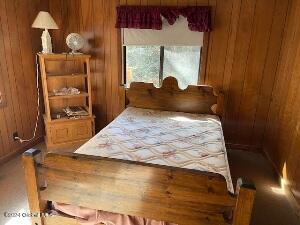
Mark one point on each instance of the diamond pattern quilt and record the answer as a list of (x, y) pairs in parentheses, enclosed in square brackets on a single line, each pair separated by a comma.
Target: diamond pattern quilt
[(191, 141)]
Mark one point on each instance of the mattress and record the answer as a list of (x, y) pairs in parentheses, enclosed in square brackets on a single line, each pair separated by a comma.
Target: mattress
[(191, 141)]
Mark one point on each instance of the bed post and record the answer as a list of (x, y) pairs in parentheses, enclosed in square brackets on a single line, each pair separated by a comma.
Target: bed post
[(36, 206), (245, 198)]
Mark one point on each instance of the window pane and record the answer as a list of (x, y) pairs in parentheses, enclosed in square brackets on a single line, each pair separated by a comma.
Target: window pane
[(142, 64), (182, 62)]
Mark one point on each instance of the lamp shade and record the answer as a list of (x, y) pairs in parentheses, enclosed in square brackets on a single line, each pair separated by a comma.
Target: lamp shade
[(44, 21)]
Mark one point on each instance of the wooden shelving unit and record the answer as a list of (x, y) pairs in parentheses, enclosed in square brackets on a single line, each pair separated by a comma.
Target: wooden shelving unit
[(50, 76), (64, 71), (81, 95)]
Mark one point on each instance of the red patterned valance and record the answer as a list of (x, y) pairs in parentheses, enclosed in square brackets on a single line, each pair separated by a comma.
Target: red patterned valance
[(149, 17)]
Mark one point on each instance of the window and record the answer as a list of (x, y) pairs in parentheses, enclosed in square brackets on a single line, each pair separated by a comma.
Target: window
[(152, 64), (151, 55), (142, 64)]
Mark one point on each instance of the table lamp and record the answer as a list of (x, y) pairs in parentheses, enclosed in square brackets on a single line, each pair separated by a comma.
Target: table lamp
[(45, 21)]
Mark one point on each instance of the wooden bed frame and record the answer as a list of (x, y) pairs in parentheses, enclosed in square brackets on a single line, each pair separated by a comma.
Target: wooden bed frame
[(181, 196)]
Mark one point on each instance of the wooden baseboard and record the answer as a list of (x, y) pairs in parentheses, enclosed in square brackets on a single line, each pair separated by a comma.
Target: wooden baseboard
[(243, 147), (292, 200), (289, 194), (21, 149)]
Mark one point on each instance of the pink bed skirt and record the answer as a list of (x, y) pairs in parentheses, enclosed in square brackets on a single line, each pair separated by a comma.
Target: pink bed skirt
[(94, 217)]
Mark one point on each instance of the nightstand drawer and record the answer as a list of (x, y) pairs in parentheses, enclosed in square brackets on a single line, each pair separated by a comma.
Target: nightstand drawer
[(81, 130), (75, 130), (60, 133)]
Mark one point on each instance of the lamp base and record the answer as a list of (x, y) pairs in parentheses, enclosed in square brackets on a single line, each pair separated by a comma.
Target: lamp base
[(46, 42)]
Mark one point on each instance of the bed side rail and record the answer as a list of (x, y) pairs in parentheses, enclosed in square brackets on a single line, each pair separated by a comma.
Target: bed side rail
[(174, 195)]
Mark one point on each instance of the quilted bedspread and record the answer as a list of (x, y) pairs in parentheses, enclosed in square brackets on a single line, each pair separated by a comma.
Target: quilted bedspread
[(192, 141)]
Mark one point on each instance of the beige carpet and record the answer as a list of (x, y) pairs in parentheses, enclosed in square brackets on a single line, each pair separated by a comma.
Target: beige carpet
[(271, 205)]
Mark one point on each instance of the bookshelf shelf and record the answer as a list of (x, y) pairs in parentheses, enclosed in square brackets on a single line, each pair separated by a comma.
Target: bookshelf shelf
[(56, 97), (54, 76)]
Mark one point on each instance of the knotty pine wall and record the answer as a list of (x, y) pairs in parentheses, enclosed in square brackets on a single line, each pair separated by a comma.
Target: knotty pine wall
[(243, 52), (282, 138), (18, 43)]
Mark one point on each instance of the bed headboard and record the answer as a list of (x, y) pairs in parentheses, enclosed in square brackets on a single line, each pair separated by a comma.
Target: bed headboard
[(194, 99)]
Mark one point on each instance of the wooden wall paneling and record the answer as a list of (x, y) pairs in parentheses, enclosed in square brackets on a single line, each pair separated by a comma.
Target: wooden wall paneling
[(192, 2), (143, 2), (234, 21), (66, 26), (291, 144), (169, 2), (204, 53), (154, 2), (206, 39), (120, 88), (119, 59), (294, 163), (255, 66), (182, 2), (282, 139), (218, 43), (27, 62), (3, 127), (19, 75), (63, 29), (10, 45), (243, 41), (205, 78), (115, 59), (108, 43), (202, 2), (4, 111), (1, 144), (290, 113), (86, 29), (133, 2), (267, 84), (2, 97), (76, 9), (279, 94), (18, 42), (98, 78), (70, 9), (55, 7), (5, 50), (283, 78)]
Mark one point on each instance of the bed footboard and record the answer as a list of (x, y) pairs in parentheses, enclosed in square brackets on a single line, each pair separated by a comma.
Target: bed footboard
[(181, 196)]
